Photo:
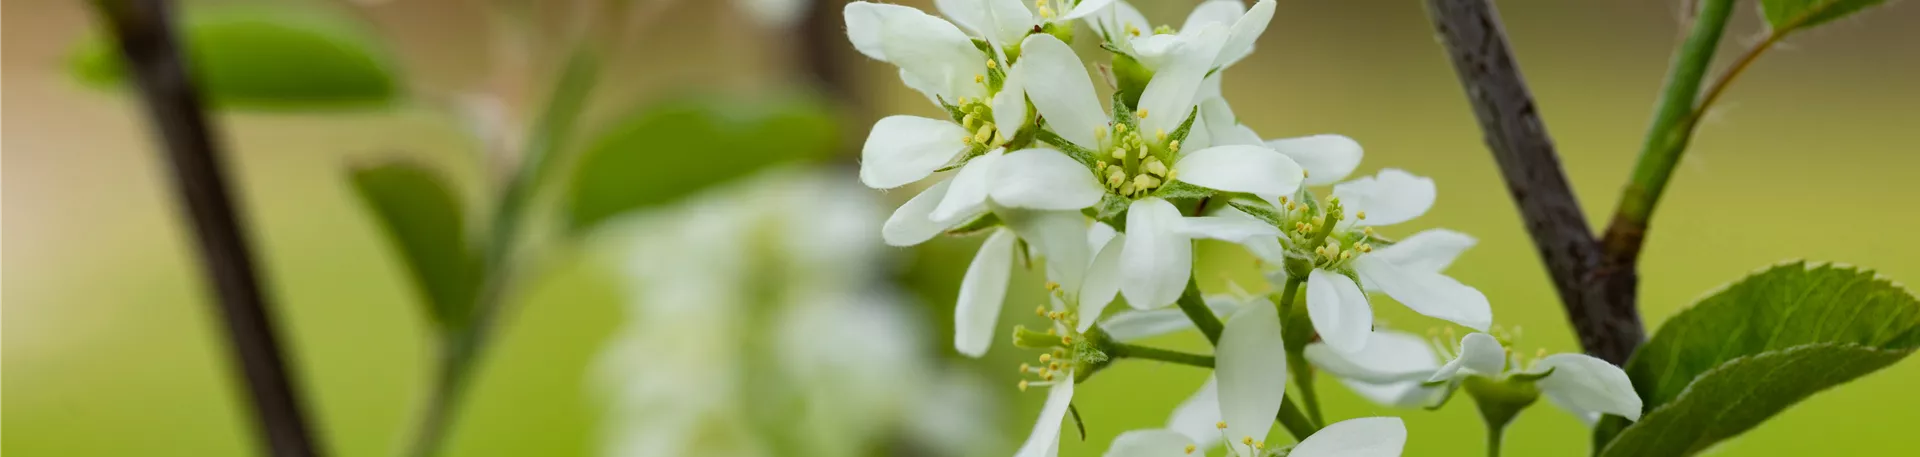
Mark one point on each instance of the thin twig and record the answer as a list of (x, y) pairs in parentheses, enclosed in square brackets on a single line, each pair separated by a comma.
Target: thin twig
[(145, 34)]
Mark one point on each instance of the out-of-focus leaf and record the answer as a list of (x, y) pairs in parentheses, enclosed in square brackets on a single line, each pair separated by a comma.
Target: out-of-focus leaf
[(423, 218), (1756, 347), (266, 57), (667, 150), (1787, 16)]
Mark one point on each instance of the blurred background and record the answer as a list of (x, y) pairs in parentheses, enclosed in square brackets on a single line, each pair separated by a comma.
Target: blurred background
[(109, 347)]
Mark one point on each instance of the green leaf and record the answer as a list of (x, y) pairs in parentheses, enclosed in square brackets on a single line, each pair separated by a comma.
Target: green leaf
[(267, 57), (1787, 16), (423, 219), (670, 149), (1756, 347)]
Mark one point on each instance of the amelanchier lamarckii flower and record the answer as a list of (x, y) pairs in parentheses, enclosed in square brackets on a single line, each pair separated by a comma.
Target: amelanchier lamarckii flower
[(1363, 437), (1005, 22), (1330, 247), (1399, 369), (986, 108), (1134, 157)]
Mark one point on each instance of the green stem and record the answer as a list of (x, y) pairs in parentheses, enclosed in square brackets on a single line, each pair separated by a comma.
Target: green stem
[(1296, 342), (1129, 351), (1494, 436), (1297, 424), (461, 349), (1675, 115), (1195, 306)]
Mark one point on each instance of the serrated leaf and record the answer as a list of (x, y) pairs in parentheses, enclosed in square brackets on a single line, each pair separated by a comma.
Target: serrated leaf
[(1743, 392), (1787, 16), (1770, 321), (267, 57), (423, 218), (670, 149)]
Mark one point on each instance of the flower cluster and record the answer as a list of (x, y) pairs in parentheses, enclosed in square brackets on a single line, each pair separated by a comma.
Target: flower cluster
[(1109, 197)]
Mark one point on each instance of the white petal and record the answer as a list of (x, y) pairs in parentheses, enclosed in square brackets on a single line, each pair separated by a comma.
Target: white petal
[(1060, 89), (1220, 123), (864, 25), (1086, 8), (1149, 443), (981, 293), (1245, 31), (1389, 357), (968, 14), (1430, 250), (902, 149), (909, 225), (1339, 311), (1390, 197), (1584, 384), (934, 51), (1009, 20), (968, 195), (1098, 234), (1155, 51), (1328, 158), (1169, 96), (1059, 236), (1112, 22), (1102, 282), (1480, 354), (1363, 437), (1222, 12), (1156, 260), (1227, 228), (1136, 325), (1251, 364), (1010, 105), (1046, 431), (1239, 168), (1198, 416), (1428, 293), (1043, 178)]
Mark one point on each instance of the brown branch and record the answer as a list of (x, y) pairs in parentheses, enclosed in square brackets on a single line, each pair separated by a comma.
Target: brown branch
[(1598, 296), (146, 38)]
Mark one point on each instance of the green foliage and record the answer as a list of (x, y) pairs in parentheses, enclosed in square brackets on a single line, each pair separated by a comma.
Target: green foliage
[(266, 57), (1751, 350), (1788, 16), (424, 219), (670, 149)]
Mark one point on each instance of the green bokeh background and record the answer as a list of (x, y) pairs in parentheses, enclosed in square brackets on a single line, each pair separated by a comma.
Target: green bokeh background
[(108, 349)]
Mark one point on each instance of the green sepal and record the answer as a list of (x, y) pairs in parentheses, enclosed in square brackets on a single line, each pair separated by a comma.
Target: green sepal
[(1261, 210), (1109, 210), (1532, 377), (1079, 154), (1182, 190), (1130, 80), (979, 224), (959, 116)]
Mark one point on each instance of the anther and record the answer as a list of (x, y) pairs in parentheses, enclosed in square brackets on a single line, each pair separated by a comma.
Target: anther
[(1347, 254), (1023, 385), (1154, 166), (1190, 449), (1174, 146), (992, 64), (1361, 215), (1099, 133), (1066, 340), (1220, 425), (1024, 368), (1160, 135), (1142, 113), (1099, 166), (1143, 151), (1040, 310), (1053, 285), (1044, 358), (1247, 440), (1119, 154)]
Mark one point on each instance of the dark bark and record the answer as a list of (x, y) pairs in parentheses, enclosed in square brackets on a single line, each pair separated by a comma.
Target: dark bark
[(1596, 291), (155, 64)]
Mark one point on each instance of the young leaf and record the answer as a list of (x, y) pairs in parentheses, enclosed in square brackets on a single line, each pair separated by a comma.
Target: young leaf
[(423, 219), (1787, 16), (668, 150), (1750, 350), (267, 57)]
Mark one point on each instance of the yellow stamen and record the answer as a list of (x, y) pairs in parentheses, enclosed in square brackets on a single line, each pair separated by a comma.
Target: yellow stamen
[(1360, 215), (1023, 385), (1142, 113)]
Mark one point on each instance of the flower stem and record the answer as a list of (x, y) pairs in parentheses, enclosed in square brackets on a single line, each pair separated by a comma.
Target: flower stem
[(1297, 424), (1675, 116), (1296, 349), (461, 349), (1129, 351), (1494, 436), (1196, 309)]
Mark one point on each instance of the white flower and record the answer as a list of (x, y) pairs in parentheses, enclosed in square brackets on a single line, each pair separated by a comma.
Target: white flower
[(1152, 46), (1153, 259), (1363, 437), (1399, 370), (1335, 239), (1005, 22), (1060, 237)]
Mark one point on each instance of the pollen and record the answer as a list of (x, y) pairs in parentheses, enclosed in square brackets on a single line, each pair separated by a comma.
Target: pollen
[(992, 64), (1220, 425), (1131, 30), (1045, 357), (1248, 440), (1100, 134), (978, 79), (1362, 215), (1119, 154), (1174, 146), (1053, 285), (1369, 230), (1040, 310), (1190, 449), (1068, 340), (1099, 166), (1023, 385), (1160, 135), (1154, 166), (1142, 113), (1120, 128), (1046, 12)]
